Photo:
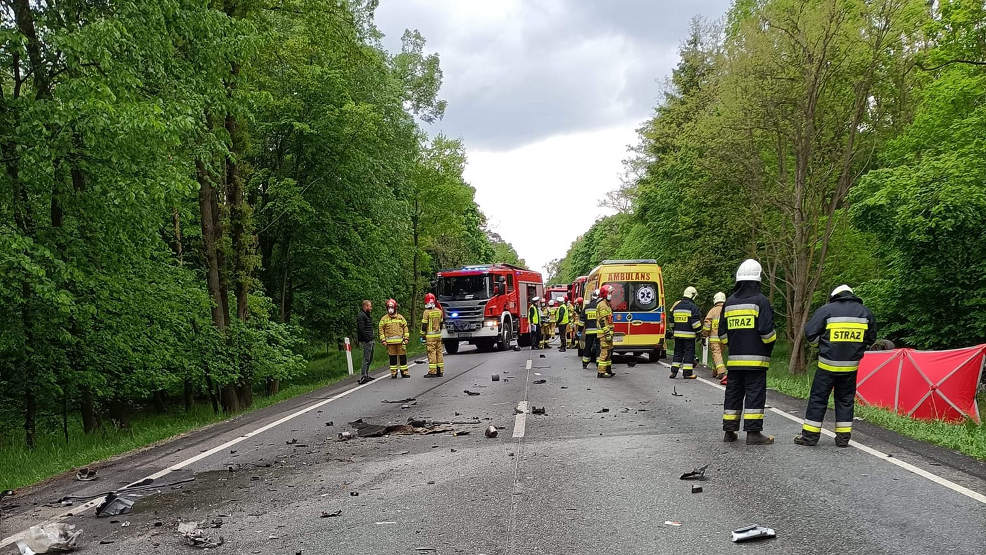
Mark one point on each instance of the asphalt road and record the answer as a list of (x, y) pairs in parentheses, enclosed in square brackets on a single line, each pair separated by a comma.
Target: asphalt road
[(576, 481)]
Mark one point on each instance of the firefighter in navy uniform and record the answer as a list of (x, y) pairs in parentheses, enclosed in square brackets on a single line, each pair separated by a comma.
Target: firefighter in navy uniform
[(747, 327), (591, 331), (843, 329), (687, 325), (534, 323), (604, 325)]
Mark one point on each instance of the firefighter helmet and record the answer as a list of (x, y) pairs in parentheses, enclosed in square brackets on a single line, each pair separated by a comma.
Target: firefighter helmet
[(579, 301), (720, 297), (841, 289), (430, 299), (691, 292), (535, 299), (606, 291), (564, 298), (391, 303), (749, 270), (551, 302)]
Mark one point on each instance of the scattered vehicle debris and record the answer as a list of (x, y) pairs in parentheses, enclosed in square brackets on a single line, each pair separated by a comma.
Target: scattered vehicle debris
[(354, 494), (541, 410), (491, 432), (346, 435), (625, 410), (753, 532), (48, 538), (672, 523), (674, 392), (114, 505), (292, 441), (602, 410), (400, 402), (195, 536), (85, 474), (541, 381), (330, 423), (540, 356), (697, 474), (467, 392), (516, 347), (405, 406), (398, 453), (564, 387), (696, 489), (330, 515), (495, 377), (456, 433)]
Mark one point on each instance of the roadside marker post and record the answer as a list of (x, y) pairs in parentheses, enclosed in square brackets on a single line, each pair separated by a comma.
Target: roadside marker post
[(349, 355), (705, 353)]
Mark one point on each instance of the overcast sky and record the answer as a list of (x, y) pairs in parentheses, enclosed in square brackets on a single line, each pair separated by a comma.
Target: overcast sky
[(546, 95)]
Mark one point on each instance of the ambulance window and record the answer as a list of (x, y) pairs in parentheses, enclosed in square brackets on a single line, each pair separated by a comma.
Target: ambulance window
[(643, 296), (619, 301), (510, 283)]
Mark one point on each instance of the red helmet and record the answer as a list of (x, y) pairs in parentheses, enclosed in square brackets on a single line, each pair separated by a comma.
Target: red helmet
[(391, 303), (606, 291), (579, 300), (564, 298), (429, 298)]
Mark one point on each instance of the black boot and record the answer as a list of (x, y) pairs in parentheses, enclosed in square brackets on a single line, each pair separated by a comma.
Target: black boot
[(730, 437), (842, 439), (800, 439), (758, 438)]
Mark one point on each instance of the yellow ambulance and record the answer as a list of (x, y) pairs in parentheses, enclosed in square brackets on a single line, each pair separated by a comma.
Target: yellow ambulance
[(638, 305)]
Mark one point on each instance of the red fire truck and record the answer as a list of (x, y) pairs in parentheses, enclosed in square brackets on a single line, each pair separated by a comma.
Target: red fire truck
[(577, 288), (486, 305), (555, 292)]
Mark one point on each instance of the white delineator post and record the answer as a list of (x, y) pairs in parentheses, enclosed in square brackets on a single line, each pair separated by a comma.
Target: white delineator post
[(705, 353), (349, 355)]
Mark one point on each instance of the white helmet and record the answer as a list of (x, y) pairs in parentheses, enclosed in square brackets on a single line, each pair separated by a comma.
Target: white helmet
[(691, 292), (749, 270), (551, 302), (535, 299), (719, 298), (841, 289)]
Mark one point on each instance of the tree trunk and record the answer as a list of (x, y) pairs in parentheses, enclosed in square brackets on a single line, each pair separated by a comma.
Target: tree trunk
[(415, 236), (207, 210), (188, 395), (30, 413), (90, 421)]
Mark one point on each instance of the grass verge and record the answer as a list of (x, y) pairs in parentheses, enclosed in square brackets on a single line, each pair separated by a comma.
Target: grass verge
[(20, 466)]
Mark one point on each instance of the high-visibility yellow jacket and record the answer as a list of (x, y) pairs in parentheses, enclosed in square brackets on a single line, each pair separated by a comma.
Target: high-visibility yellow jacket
[(533, 315), (573, 315), (604, 318), (552, 313), (431, 323), (393, 329), (710, 327), (561, 315)]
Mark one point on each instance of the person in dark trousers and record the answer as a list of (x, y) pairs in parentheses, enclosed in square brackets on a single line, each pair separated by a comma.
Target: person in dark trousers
[(365, 334), (561, 319), (843, 329), (534, 323), (591, 344), (747, 326), (687, 325)]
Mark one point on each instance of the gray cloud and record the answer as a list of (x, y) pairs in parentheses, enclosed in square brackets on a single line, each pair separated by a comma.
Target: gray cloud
[(519, 72)]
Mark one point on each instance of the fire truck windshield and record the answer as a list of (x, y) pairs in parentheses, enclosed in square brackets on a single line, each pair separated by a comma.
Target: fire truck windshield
[(458, 288)]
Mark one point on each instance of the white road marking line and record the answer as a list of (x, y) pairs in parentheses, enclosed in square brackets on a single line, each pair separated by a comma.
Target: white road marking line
[(529, 363), (178, 466), (972, 494), (520, 424)]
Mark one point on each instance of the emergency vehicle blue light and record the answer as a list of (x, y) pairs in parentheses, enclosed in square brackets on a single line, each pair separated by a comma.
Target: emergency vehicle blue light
[(455, 314)]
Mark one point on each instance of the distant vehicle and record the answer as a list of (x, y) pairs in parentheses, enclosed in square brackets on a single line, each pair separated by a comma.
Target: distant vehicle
[(577, 288), (555, 292), (639, 320), (486, 305)]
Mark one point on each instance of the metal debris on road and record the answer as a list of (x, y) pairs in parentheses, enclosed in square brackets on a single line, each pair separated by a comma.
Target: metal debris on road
[(696, 489), (195, 536), (491, 432), (292, 441), (672, 523), (330, 515), (674, 392), (114, 505), (85, 474), (602, 410), (398, 453), (386, 522), (753, 532), (330, 423), (541, 410), (697, 474), (467, 392), (541, 381), (495, 377), (346, 435), (354, 494), (47, 538), (399, 402), (625, 410)]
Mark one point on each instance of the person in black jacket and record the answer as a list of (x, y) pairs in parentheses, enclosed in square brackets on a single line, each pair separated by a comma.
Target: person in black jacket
[(366, 335), (843, 329), (687, 325), (747, 326)]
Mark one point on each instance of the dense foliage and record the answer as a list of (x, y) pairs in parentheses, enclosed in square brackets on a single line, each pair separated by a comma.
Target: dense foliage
[(194, 194), (836, 141)]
